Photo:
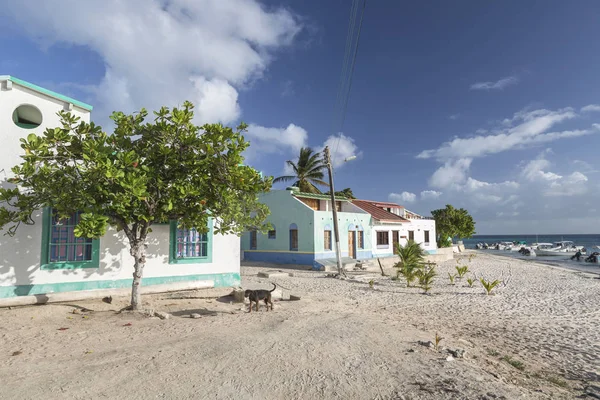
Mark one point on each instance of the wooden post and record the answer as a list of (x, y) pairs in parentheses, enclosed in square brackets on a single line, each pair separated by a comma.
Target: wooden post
[(336, 232)]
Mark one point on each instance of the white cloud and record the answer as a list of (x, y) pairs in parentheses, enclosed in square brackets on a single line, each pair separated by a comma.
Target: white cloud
[(498, 85), (533, 171), (585, 166), (569, 186), (340, 147), (454, 117), (530, 129), (264, 140), (161, 53), (452, 173), (430, 194), (404, 197), (591, 108), (216, 101)]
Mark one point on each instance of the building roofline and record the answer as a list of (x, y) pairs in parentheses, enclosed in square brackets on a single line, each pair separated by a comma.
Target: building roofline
[(318, 196), (379, 214), (381, 202), (47, 92)]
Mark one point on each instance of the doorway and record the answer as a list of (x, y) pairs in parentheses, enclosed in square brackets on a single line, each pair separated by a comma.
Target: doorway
[(351, 244)]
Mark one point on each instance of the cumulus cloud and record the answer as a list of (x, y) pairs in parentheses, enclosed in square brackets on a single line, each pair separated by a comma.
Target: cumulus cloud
[(161, 53), (404, 197), (341, 147), (452, 173), (265, 140), (497, 85), (430, 195), (591, 108)]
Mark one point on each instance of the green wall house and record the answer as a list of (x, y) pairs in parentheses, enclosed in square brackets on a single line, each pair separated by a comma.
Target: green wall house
[(303, 229)]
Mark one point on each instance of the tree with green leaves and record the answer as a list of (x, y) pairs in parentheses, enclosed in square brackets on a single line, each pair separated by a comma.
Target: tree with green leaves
[(308, 171), (452, 222), (347, 193), (146, 172)]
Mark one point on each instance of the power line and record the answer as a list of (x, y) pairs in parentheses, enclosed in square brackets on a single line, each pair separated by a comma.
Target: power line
[(346, 82)]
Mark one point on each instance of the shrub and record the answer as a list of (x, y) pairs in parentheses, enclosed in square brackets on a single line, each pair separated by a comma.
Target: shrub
[(451, 277), (462, 271), (515, 363), (426, 275), (412, 257), (489, 285)]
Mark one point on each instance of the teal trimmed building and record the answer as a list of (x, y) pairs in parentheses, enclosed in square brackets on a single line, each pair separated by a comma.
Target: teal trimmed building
[(303, 229), (46, 262)]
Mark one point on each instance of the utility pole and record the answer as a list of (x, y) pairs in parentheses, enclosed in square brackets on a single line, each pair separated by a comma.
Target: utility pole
[(336, 232)]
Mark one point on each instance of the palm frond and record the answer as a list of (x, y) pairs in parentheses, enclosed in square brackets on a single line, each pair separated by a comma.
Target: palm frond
[(285, 178)]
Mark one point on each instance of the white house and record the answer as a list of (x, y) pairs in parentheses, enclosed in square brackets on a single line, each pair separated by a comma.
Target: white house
[(45, 261), (392, 224)]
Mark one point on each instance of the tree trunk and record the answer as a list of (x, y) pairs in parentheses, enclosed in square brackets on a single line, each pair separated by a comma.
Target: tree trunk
[(138, 251)]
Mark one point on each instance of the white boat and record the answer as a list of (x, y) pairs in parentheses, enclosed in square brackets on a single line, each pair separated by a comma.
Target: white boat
[(562, 248)]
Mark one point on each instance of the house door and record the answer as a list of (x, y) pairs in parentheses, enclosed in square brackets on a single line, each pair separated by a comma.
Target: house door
[(351, 242), (395, 241)]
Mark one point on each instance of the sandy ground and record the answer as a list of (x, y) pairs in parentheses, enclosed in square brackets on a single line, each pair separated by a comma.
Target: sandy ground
[(342, 340)]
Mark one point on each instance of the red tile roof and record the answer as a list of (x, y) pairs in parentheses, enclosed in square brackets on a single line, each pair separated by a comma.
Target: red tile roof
[(383, 204), (375, 209)]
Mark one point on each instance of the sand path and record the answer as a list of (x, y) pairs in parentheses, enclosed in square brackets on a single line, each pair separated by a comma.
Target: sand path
[(343, 340)]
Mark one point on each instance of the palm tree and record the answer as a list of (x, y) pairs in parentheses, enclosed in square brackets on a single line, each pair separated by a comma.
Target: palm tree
[(308, 171), (412, 257)]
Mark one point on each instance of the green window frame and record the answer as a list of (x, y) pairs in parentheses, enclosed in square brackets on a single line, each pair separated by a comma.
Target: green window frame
[(178, 239), (53, 245)]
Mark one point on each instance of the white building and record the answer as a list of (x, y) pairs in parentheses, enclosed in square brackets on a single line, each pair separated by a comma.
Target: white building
[(45, 261), (392, 224)]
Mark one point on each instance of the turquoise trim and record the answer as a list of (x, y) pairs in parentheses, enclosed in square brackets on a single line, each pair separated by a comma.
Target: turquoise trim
[(47, 92), (45, 255), (220, 280), (26, 126), (189, 260)]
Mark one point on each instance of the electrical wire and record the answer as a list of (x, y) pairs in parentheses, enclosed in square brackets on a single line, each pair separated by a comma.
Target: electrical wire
[(346, 77)]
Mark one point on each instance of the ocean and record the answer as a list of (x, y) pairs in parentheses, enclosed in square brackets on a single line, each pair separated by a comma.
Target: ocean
[(587, 241)]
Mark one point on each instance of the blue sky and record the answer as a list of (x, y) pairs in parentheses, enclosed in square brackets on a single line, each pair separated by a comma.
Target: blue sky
[(490, 106)]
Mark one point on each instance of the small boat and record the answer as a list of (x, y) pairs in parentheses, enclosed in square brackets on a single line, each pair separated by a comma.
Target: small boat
[(562, 248)]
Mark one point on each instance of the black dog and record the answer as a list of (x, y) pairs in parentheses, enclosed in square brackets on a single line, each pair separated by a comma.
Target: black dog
[(258, 295)]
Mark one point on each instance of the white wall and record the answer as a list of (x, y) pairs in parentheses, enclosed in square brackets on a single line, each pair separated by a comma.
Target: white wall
[(419, 226), (382, 250), (20, 255), (10, 150)]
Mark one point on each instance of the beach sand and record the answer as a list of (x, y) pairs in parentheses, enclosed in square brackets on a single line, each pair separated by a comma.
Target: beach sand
[(537, 337)]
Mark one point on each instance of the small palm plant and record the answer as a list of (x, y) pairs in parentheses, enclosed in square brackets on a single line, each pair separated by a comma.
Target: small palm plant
[(489, 285), (451, 277), (438, 339), (462, 270), (426, 276), (470, 281), (411, 261)]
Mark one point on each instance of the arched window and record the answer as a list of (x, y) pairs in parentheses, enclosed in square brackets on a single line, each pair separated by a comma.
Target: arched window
[(360, 237), (293, 237), (272, 234)]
